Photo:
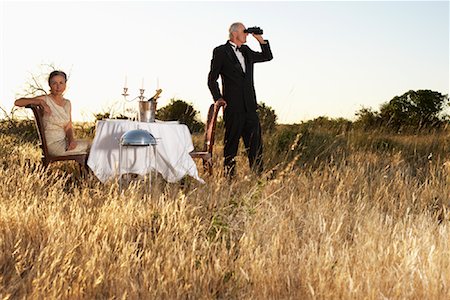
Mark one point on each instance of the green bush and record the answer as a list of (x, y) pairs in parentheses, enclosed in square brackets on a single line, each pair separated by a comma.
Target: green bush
[(24, 130), (267, 117), (179, 110)]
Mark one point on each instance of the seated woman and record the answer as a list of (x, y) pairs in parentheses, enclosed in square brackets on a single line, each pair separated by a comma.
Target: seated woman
[(57, 118)]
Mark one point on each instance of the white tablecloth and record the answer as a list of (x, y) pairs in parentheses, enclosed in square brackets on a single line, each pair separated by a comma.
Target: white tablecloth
[(174, 142)]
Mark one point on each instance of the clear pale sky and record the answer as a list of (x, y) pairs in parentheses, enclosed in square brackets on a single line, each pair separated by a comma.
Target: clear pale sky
[(330, 58)]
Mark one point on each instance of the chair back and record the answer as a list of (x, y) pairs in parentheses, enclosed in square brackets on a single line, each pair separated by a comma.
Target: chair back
[(210, 129), (38, 112)]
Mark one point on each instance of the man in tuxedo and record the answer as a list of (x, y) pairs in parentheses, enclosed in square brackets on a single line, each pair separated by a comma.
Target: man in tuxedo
[(234, 62)]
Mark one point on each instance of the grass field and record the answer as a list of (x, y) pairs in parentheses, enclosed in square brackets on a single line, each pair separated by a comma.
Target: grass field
[(344, 214)]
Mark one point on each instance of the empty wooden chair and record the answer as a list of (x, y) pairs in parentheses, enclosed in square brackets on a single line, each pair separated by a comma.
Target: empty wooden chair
[(81, 159), (207, 152)]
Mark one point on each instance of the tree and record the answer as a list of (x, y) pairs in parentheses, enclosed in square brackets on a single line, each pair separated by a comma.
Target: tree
[(414, 110), (267, 117), (422, 108), (37, 83), (183, 112), (17, 122)]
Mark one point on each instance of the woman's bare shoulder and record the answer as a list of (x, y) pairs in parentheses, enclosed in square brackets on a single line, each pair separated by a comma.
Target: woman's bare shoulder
[(67, 103)]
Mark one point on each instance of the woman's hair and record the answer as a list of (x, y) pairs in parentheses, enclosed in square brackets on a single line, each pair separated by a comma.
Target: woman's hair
[(233, 28), (56, 73)]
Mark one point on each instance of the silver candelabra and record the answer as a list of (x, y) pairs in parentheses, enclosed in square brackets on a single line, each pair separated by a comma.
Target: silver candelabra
[(141, 97), (147, 109)]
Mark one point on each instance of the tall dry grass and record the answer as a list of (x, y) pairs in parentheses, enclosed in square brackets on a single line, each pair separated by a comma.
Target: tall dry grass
[(366, 224)]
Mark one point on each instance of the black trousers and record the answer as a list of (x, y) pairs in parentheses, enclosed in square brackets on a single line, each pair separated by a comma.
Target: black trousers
[(247, 126)]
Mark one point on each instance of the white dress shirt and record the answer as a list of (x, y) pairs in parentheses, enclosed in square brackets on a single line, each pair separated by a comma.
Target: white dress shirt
[(239, 55)]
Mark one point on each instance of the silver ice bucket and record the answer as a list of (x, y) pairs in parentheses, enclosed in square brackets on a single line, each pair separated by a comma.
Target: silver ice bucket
[(147, 111)]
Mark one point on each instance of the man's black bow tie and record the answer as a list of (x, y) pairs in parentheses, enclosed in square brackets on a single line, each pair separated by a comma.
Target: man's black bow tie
[(238, 48)]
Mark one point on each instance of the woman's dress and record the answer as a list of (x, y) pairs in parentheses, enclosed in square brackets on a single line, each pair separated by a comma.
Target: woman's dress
[(54, 124)]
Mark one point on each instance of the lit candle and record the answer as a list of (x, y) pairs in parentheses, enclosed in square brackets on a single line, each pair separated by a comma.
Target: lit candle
[(142, 83), (125, 85), (157, 83)]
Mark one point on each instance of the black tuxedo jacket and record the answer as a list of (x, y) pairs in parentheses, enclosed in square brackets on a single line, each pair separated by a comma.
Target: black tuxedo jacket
[(237, 87)]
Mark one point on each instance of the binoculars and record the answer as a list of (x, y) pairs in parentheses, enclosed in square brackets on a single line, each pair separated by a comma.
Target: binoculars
[(255, 30)]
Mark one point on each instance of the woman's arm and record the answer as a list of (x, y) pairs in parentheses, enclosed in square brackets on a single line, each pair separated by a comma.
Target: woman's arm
[(71, 144), (39, 100)]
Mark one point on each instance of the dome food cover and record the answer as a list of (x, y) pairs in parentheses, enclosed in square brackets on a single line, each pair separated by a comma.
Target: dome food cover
[(137, 137)]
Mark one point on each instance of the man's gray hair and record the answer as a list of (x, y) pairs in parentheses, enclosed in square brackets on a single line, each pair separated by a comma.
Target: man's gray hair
[(234, 27)]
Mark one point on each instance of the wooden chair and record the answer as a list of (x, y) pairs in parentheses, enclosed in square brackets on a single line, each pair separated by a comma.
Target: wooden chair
[(207, 152), (81, 159)]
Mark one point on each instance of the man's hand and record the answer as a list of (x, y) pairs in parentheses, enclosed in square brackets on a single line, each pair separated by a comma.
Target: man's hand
[(221, 102), (259, 38)]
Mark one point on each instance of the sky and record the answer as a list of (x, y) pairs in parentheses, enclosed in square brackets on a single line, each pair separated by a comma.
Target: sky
[(331, 58)]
